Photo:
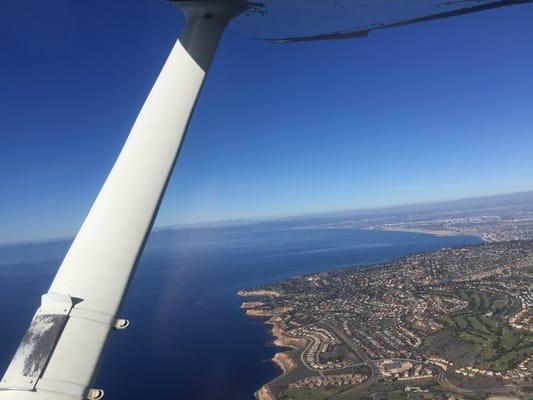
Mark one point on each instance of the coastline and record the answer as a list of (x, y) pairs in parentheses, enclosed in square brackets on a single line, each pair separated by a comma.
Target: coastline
[(437, 233), (282, 359), (255, 307), (264, 393)]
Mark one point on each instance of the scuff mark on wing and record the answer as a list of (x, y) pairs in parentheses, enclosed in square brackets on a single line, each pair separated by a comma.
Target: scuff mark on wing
[(38, 343)]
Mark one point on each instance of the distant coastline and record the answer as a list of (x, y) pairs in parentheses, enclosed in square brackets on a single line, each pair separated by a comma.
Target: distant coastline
[(438, 233)]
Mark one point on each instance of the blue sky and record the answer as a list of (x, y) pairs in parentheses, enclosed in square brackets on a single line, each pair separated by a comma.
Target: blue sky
[(422, 113)]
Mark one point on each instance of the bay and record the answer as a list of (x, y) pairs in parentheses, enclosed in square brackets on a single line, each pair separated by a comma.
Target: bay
[(189, 338)]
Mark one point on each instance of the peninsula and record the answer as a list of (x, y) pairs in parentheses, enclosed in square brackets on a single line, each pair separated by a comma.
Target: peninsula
[(455, 323)]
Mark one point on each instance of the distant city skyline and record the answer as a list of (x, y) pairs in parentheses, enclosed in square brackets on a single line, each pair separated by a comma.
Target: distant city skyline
[(424, 113)]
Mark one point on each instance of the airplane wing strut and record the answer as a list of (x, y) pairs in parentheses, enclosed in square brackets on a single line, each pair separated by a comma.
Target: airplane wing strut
[(62, 348)]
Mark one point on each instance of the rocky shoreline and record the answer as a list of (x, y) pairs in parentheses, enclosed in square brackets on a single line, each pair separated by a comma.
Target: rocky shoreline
[(264, 394), (285, 362)]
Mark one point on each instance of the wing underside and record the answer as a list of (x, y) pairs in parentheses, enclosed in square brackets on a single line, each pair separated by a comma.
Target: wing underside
[(309, 20)]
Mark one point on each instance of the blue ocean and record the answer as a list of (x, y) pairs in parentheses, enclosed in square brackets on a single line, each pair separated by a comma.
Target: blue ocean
[(188, 337)]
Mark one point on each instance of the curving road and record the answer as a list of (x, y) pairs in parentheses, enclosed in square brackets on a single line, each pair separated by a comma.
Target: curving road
[(440, 378), (374, 371)]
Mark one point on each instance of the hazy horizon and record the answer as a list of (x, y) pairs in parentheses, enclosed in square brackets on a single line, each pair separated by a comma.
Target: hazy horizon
[(331, 213)]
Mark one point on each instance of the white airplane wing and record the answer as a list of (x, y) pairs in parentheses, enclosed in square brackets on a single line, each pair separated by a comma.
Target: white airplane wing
[(305, 20)]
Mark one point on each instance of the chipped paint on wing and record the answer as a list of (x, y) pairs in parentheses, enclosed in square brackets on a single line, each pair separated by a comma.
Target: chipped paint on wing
[(37, 345)]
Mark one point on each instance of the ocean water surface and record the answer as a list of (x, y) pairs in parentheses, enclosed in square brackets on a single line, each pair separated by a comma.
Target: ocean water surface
[(188, 337)]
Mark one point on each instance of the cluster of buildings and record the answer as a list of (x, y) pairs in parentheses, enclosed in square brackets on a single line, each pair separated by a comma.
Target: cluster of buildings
[(321, 342), (524, 318), (415, 389), (328, 381), (443, 364), (491, 226), (403, 370), (394, 341), (385, 313), (521, 372)]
